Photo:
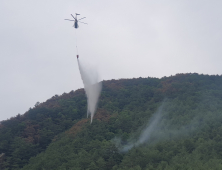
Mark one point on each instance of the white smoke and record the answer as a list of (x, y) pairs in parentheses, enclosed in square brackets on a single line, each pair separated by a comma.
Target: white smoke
[(160, 127), (145, 134), (92, 88)]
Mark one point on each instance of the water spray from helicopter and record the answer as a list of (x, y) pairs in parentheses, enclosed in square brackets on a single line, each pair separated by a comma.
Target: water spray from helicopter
[(92, 88)]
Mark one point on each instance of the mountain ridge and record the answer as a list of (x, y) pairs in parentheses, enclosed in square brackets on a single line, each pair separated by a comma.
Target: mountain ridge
[(125, 106)]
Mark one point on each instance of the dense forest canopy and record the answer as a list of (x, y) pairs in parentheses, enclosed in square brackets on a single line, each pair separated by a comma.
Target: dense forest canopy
[(145, 123)]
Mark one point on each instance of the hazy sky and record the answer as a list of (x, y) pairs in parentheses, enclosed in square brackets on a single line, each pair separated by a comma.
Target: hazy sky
[(123, 39)]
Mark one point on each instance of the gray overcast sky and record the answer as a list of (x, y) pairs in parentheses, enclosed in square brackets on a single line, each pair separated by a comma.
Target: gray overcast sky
[(123, 39)]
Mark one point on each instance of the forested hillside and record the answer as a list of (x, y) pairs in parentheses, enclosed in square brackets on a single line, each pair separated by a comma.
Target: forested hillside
[(170, 123)]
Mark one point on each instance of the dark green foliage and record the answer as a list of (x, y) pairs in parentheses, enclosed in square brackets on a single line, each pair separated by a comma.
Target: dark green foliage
[(38, 127), (188, 135)]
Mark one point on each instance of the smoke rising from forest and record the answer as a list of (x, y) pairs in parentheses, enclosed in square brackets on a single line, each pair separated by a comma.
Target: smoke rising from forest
[(145, 133), (92, 88), (161, 126)]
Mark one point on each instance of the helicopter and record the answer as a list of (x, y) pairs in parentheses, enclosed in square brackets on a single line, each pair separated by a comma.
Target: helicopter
[(76, 25)]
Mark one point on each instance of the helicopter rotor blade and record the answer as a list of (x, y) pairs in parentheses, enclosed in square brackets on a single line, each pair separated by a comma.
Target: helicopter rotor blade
[(72, 16), (69, 20), (82, 22), (81, 18)]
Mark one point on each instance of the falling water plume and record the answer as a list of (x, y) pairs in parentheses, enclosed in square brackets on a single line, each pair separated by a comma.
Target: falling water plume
[(92, 88)]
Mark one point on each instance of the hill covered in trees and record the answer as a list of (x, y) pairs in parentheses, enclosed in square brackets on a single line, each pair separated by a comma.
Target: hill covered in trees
[(145, 123)]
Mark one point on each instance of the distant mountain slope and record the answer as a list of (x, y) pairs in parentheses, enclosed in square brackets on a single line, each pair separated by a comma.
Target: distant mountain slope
[(56, 134)]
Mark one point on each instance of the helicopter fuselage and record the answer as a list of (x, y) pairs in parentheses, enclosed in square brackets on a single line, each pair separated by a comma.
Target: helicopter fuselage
[(76, 24)]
